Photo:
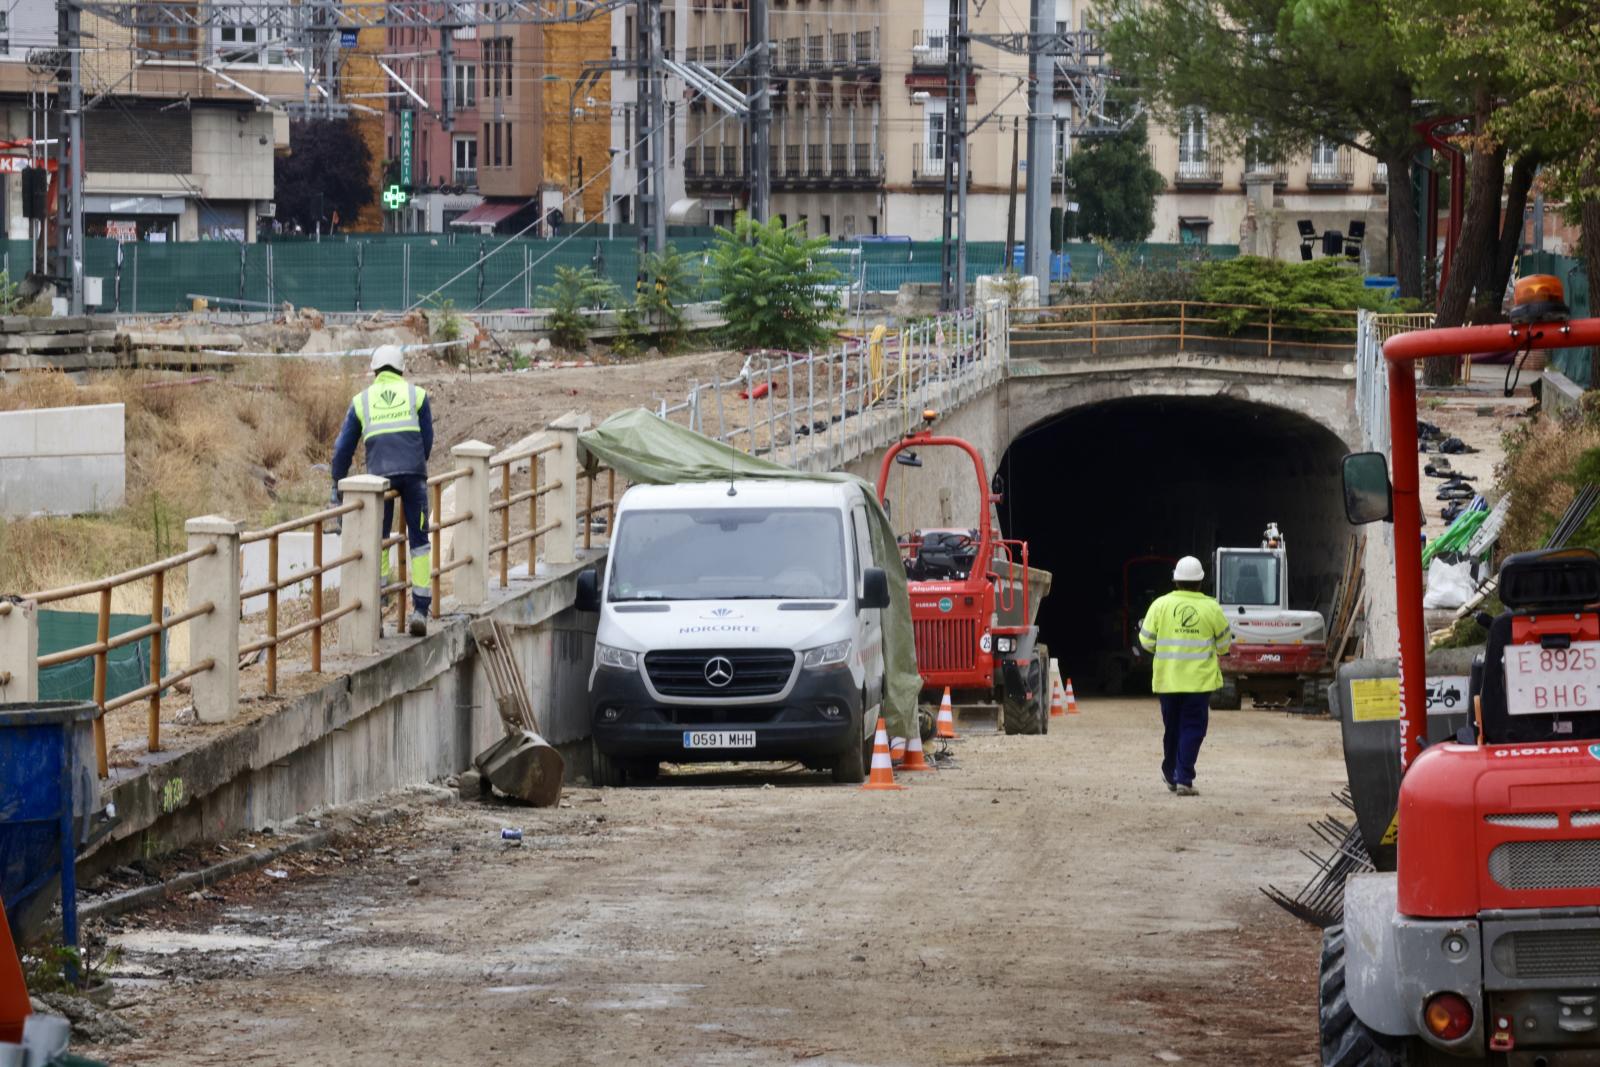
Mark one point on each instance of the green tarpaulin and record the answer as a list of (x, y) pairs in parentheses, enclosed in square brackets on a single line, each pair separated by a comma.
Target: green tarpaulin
[(645, 448)]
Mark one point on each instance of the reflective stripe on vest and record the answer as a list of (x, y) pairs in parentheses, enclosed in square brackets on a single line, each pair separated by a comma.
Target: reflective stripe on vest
[(388, 406)]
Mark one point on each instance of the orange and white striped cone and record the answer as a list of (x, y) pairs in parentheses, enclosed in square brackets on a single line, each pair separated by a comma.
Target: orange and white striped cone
[(914, 760), (1072, 700), (945, 726), (882, 776), (1058, 706), (897, 751)]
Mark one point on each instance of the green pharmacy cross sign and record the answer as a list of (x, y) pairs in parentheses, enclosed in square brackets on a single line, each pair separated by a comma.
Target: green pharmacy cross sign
[(395, 198)]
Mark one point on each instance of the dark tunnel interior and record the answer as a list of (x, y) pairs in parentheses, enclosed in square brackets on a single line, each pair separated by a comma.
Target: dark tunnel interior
[(1108, 496)]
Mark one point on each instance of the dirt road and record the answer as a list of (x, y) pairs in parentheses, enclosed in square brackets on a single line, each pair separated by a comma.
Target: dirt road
[(1046, 901)]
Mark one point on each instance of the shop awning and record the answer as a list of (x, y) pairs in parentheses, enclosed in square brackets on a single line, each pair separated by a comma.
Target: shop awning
[(491, 213)]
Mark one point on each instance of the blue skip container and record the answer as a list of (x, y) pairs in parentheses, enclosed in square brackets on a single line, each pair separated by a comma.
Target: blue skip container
[(48, 794)]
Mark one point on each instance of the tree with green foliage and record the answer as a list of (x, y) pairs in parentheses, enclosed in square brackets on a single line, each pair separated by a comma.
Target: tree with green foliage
[(1115, 185), (1289, 288), (577, 292), (1276, 76), (775, 287), (668, 283)]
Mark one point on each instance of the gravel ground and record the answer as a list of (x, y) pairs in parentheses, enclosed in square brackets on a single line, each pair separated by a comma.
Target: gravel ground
[(1042, 901)]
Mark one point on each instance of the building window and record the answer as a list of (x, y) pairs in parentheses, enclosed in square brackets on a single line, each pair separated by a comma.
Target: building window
[(827, 225), (5, 31), (872, 224), (1192, 146), (672, 132), (466, 85), (497, 77), (466, 161), (1195, 231), (509, 127), (1063, 137), (933, 147)]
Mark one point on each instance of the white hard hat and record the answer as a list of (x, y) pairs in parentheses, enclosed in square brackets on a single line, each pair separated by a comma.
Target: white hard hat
[(391, 356), (1188, 570)]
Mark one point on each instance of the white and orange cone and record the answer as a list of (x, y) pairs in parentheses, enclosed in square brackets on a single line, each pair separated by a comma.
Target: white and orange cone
[(882, 776), (945, 726), (1072, 700), (914, 760), (1058, 706)]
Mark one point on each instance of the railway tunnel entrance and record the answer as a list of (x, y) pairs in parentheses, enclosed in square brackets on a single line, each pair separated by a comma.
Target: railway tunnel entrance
[(1109, 495)]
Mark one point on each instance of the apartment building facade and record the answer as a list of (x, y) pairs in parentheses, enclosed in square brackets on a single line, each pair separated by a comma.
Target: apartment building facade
[(179, 135), (859, 115)]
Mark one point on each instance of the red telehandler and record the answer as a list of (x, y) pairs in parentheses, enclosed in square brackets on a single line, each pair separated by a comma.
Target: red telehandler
[(1482, 945)]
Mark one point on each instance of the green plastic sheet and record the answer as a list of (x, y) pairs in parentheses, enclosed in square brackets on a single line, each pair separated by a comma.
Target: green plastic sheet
[(643, 447)]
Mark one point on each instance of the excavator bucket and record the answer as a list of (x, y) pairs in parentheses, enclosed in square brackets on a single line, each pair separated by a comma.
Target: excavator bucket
[(521, 764), (524, 765)]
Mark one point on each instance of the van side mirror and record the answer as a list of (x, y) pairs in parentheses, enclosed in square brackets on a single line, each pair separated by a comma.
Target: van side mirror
[(588, 598), (874, 589), (1368, 496)]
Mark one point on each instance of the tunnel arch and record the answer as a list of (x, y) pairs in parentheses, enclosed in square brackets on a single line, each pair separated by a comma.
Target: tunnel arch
[(1155, 477)]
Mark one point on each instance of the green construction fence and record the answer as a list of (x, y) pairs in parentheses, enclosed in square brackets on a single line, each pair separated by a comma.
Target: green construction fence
[(392, 272)]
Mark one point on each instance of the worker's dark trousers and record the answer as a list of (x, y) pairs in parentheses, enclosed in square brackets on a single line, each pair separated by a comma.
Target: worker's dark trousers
[(1185, 716), (413, 490)]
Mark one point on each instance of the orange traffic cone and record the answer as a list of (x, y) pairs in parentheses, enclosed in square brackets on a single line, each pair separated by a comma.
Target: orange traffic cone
[(945, 726), (1072, 700), (897, 751), (914, 760), (882, 776), (1057, 698)]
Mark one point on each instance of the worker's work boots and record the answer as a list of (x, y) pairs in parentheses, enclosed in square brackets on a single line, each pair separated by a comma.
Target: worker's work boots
[(418, 625)]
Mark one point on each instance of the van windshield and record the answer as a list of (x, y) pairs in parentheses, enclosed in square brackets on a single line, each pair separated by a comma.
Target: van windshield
[(728, 554)]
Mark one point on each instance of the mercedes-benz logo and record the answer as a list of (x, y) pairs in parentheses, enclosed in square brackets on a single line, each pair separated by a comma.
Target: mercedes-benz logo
[(719, 671)]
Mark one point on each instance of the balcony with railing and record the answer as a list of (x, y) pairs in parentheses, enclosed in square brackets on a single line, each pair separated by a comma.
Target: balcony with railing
[(929, 48), (927, 164), (1198, 170), (1330, 169), (1265, 164), (1380, 176)]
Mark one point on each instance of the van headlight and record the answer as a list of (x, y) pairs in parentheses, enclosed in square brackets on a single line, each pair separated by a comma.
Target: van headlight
[(827, 656), (616, 659)]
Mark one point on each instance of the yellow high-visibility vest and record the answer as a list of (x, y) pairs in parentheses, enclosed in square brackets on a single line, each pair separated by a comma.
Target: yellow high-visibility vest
[(1185, 631)]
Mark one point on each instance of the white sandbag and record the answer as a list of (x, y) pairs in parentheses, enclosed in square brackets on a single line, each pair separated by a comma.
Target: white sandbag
[(1450, 585)]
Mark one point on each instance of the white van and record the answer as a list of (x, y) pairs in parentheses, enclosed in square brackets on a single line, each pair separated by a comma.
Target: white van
[(738, 621)]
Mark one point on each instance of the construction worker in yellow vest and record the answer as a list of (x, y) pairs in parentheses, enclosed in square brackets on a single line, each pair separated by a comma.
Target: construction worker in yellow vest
[(391, 418), (1185, 631)]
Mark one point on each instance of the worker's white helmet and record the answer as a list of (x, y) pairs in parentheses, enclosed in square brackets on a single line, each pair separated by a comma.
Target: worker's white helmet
[(1188, 570), (391, 356)]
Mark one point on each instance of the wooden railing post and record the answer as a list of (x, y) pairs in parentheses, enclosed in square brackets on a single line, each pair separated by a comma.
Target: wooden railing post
[(272, 615), (505, 518), (158, 596), (1094, 329), (1269, 333), (102, 665), (1183, 323), (363, 532), (316, 596), (19, 652), (471, 540), (215, 578), (436, 550)]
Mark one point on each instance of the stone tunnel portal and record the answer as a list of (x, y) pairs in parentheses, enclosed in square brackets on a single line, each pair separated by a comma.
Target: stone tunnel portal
[(1110, 495)]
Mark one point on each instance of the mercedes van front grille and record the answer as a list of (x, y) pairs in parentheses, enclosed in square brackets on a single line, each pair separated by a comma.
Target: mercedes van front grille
[(730, 672)]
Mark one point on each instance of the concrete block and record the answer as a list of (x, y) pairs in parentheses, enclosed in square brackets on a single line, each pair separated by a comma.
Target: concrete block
[(18, 433)]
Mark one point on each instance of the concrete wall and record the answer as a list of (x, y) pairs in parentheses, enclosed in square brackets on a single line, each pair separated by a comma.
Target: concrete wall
[(62, 461), (416, 712)]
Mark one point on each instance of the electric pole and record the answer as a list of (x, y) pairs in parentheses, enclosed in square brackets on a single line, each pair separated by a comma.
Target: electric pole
[(651, 130), (1041, 134), (760, 150), (953, 255)]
